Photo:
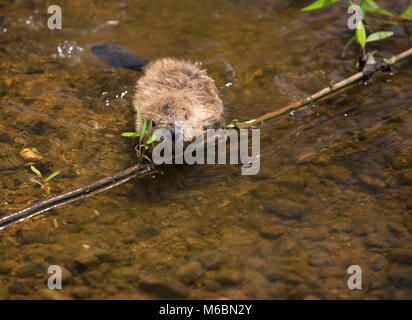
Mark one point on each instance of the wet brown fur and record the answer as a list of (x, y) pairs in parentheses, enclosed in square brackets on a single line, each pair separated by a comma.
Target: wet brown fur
[(173, 90)]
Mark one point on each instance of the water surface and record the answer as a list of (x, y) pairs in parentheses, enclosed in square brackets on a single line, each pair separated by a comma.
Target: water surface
[(335, 183)]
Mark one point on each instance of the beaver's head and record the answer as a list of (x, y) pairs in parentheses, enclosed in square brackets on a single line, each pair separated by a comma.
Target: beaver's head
[(179, 110), (174, 91)]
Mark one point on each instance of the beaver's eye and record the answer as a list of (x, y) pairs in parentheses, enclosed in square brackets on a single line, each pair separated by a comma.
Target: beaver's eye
[(153, 124), (166, 108), (186, 116)]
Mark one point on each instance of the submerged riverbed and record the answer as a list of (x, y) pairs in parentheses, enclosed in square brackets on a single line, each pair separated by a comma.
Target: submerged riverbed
[(334, 187)]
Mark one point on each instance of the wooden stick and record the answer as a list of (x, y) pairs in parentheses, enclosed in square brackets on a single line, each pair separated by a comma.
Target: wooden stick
[(96, 187)]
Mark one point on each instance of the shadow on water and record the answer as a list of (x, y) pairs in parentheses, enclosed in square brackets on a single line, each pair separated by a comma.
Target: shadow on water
[(333, 190)]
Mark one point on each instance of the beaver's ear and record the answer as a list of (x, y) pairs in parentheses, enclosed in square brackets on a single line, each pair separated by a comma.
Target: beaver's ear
[(117, 56)]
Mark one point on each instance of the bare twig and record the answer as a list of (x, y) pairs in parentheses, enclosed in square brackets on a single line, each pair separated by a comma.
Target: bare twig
[(99, 186)]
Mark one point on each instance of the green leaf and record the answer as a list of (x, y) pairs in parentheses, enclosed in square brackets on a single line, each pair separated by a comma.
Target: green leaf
[(229, 126), (379, 36), (34, 169), (318, 4), (48, 190), (142, 130), (361, 34), (345, 48), (38, 182), (52, 176), (407, 14), (372, 6), (130, 134), (362, 6), (149, 129), (151, 139)]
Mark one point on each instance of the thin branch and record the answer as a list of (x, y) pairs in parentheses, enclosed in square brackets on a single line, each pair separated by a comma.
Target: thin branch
[(96, 187)]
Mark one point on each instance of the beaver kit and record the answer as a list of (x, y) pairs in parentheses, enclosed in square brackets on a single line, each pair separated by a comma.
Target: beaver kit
[(171, 91)]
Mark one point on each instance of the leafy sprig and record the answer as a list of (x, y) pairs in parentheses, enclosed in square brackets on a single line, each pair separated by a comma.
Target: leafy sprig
[(146, 138), (367, 6), (44, 182)]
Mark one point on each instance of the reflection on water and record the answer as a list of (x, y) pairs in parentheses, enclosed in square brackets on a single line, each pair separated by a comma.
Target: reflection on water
[(335, 181)]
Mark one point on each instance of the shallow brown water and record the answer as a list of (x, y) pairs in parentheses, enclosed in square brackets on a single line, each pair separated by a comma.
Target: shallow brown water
[(335, 183)]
